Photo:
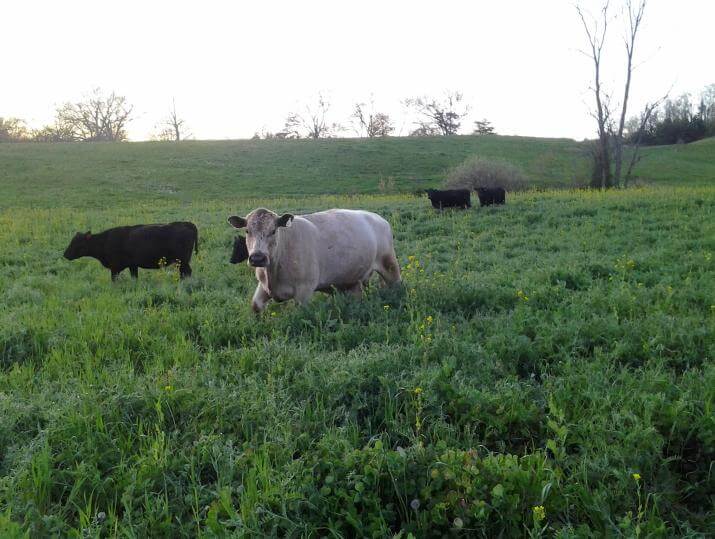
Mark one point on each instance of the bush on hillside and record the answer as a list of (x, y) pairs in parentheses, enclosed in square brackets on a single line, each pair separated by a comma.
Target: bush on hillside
[(478, 172)]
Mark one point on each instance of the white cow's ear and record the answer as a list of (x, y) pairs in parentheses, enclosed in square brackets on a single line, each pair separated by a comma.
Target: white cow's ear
[(237, 222), (284, 220)]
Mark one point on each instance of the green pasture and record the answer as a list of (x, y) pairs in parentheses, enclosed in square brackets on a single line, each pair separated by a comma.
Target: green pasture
[(109, 175), (546, 369)]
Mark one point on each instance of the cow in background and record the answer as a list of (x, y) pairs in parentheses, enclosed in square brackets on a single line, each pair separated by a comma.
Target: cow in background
[(491, 195), (449, 198)]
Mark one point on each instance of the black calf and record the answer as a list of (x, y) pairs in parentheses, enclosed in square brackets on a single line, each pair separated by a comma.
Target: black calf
[(449, 198), (138, 246), (240, 250), (491, 195)]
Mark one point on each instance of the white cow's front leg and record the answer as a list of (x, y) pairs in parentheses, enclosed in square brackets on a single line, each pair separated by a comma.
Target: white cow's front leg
[(260, 299), (303, 294)]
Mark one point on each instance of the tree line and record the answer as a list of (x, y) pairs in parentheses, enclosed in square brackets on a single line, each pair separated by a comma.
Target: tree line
[(437, 116), (99, 117), (104, 117), (677, 120), (661, 121)]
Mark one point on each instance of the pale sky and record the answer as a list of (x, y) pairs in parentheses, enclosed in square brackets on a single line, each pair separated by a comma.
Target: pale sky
[(237, 67)]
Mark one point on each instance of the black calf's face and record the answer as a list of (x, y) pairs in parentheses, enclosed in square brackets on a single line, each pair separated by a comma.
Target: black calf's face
[(240, 251), (79, 246)]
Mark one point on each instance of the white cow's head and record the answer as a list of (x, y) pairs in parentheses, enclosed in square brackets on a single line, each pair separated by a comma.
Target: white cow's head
[(261, 226)]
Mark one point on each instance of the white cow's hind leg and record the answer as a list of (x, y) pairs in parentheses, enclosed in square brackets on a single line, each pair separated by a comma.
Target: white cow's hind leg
[(389, 269), (260, 299)]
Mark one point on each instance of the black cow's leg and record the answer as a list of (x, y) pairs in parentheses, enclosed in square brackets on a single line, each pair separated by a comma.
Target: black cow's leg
[(134, 271), (184, 270)]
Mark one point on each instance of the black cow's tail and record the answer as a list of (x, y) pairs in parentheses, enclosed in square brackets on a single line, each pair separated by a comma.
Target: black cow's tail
[(196, 240)]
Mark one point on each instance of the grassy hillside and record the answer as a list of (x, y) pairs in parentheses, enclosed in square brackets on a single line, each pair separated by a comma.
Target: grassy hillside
[(118, 174), (680, 164), (547, 368)]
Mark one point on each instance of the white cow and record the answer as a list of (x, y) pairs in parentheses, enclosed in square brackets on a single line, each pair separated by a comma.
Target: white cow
[(296, 255)]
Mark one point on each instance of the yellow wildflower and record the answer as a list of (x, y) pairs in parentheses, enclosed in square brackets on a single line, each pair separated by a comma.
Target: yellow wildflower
[(539, 513), (637, 476)]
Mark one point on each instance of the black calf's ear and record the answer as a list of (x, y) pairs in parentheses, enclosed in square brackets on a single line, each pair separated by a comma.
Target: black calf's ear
[(237, 222), (284, 220)]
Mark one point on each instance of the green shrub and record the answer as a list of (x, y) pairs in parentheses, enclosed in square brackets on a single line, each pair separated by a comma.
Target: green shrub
[(479, 172)]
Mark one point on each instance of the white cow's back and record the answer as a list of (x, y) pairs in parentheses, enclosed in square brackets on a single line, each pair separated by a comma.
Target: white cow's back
[(348, 243)]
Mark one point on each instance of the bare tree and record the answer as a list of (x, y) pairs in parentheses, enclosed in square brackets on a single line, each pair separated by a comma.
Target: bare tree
[(425, 129), (635, 17), (13, 130), (173, 128), (53, 133), (609, 150), (265, 134), (444, 115), (97, 118), (369, 123), (637, 137), (312, 122), (596, 33)]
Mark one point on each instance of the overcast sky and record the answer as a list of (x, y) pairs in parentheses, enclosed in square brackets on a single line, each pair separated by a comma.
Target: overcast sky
[(236, 67)]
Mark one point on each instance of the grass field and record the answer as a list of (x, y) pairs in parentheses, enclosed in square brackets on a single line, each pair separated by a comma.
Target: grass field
[(547, 368), (100, 175)]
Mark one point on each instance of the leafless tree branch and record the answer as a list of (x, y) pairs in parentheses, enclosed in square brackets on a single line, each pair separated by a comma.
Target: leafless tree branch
[(97, 118), (443, 116)]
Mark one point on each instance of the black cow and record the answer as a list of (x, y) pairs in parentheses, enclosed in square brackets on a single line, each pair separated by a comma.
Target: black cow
[(449, 198), (491, 195), (138, 246), (240, 250)]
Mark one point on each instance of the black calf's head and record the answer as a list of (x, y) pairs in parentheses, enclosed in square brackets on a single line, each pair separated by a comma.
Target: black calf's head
[(79, 246), (240, 251)]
